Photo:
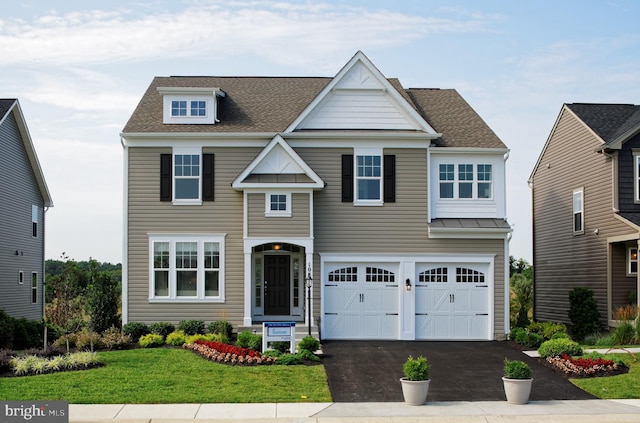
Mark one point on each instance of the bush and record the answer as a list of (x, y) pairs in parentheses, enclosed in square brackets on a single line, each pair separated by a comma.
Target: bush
[(557, 347), (247, 339), (67, 341), (151, 340), (516, 332), (222, 327), (522, 338), (288, 360), (307, 355), (547, 329), (176, 338), (516, 369), (102, 300), (5, 359), (114, 339), (309, 343), (560, 335), (191, 327), (135, 330), (623, 334), (534, 340), (6, 330), (416, 368), (190, 339), (283, 347), (583, 312), (27, 333), (88, 340), (162, 328)]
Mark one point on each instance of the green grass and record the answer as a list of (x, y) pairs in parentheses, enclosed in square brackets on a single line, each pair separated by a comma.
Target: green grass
[(626, 386), (167, 375)]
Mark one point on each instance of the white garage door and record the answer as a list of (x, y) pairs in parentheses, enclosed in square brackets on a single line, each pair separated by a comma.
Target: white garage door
[(360, 301), (452, 302)]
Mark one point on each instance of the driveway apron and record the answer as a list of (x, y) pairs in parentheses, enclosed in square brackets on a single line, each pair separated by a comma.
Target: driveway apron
[(370, 371)]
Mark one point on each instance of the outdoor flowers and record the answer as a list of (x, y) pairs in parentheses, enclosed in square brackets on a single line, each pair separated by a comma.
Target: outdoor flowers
[(582, 366), (228, 354)]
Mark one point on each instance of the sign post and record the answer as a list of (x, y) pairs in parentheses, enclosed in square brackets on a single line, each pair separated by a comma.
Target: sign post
[(279, 332)]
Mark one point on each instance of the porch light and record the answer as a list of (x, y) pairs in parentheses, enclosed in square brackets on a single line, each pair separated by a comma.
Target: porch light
[(277, 247), (408, 284)]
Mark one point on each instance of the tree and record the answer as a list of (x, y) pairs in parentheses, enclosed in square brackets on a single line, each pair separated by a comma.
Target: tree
[(64, 297), (102, 299)]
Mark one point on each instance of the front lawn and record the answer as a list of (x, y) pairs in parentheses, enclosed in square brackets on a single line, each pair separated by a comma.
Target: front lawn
[(625, 386), (168, 375)]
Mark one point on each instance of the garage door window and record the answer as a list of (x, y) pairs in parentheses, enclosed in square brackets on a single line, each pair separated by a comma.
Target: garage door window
[(346, 274), (375, 274), (465, 275), (434, 275)]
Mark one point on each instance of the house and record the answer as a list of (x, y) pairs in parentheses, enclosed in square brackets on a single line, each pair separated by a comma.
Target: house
[(351, 204), (586, 210), (24, 200)]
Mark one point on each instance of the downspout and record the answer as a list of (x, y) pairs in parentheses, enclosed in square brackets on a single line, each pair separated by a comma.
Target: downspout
[(125, 234), (44, 280), (507, 240)]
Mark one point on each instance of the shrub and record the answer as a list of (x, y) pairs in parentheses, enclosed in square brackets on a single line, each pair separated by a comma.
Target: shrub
[(176, 338), (283, 347), (27, 333), (534, 340), (516, 369), (88, 340), (135, 330), (272, 353), (102, 299), (560, 335), (222, 327), (209, 337), (516, 332), (309, 343), (307, 355), (5, 359), (416, 368), (288, 360), (113, 339), (151, 340), (522, 337), (67, 341), (547, 329), (162, 328), (557, 347), (191, 327), (623, 334), (247, 339), (6, 330), (583, 312)]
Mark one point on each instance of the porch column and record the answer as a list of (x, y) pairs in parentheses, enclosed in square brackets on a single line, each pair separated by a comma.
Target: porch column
[(309, 298), (247, 289)]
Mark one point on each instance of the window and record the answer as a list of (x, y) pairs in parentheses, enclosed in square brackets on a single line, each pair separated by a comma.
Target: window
[(437, 275), (346, 274), (21, 277), (186, 268), (632, 261), (34, 288), (34, 221), (178, 108), (187, 176), (278, 204), (368, 178), (198, 108), (578, 211), (468, 182)]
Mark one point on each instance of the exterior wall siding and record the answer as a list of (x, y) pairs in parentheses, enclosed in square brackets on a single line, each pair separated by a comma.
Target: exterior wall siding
[(19, 192), (562, 260), (623, 283), (296, 225), (626, 183)]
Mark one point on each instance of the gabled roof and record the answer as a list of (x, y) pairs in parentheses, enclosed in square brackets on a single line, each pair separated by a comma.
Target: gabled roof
[(608, 121), (278, 166), (8, 106), (273, 105)]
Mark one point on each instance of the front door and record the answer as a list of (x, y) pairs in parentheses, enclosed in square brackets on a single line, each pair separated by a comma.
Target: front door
[(277, 287)]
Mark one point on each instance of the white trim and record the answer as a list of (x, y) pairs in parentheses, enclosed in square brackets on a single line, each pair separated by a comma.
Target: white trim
[(574, 212), (125, 233), (186, 151), (368, 152)]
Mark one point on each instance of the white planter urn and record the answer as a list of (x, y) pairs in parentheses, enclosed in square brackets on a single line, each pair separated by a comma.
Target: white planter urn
[(415, 391), (517, 390)]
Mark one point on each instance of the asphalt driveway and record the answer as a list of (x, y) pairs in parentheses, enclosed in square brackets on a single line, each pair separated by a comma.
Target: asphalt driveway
[(369, 371)]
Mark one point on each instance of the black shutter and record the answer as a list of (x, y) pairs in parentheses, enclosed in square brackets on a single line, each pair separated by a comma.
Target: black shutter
[(347, 178), (389, 179), (165, 177), (207, 176)]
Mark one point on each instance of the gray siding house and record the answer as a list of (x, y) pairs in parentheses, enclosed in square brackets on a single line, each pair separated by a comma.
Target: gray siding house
[(24, 199), (586, 210), (347, 203)]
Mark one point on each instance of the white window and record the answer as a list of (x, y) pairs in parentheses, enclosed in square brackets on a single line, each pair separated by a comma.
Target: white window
[(632, 261), (186, 268), (198, 108), (34, 221), (34, 288), (178, 108), (278, 204), (578, 211), (186, 174), (368, 176), (468, 181)]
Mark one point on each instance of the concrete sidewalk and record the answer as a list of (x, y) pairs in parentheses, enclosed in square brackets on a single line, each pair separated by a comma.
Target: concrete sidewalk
[(584, 411)]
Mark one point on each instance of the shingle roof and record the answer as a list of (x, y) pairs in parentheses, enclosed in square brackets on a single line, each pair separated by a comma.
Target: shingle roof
[(271, 104), (607, 120), (5, 105), (455, 223)]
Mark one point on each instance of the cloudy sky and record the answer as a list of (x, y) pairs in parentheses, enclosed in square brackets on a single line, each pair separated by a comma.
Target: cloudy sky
[(79, 68)]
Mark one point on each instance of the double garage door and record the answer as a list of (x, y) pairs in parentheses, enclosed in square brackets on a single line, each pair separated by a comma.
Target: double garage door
[(371, 301)]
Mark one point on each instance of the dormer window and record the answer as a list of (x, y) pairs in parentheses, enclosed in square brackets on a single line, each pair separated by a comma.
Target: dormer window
[(190, 105)]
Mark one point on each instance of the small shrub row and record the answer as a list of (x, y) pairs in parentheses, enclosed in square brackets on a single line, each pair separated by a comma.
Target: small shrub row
[(87, 340), (136, 330), (33, 365), (538, 332)]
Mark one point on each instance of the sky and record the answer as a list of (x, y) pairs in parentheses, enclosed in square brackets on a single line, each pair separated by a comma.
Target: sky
[(79, 69)]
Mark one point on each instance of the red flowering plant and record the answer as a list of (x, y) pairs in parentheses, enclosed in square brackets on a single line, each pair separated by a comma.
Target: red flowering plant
[(228, 354), (583, 366)]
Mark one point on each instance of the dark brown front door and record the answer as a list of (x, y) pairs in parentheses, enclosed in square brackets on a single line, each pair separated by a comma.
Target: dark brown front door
[(277, 286)]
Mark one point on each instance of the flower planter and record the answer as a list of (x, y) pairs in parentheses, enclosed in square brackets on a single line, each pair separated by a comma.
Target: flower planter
[(414, 391), (517, 390)]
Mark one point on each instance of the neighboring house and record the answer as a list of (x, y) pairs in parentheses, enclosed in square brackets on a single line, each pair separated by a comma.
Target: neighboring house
[(24, 199), (586, 210), (390, 202)]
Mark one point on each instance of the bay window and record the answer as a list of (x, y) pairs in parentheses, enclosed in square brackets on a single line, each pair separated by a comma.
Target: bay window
[(186, 268)]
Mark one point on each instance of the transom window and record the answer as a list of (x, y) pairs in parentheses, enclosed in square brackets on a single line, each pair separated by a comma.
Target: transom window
[(186, 172), (468, 181), (369, 178), (186, 268), (578, 211)]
